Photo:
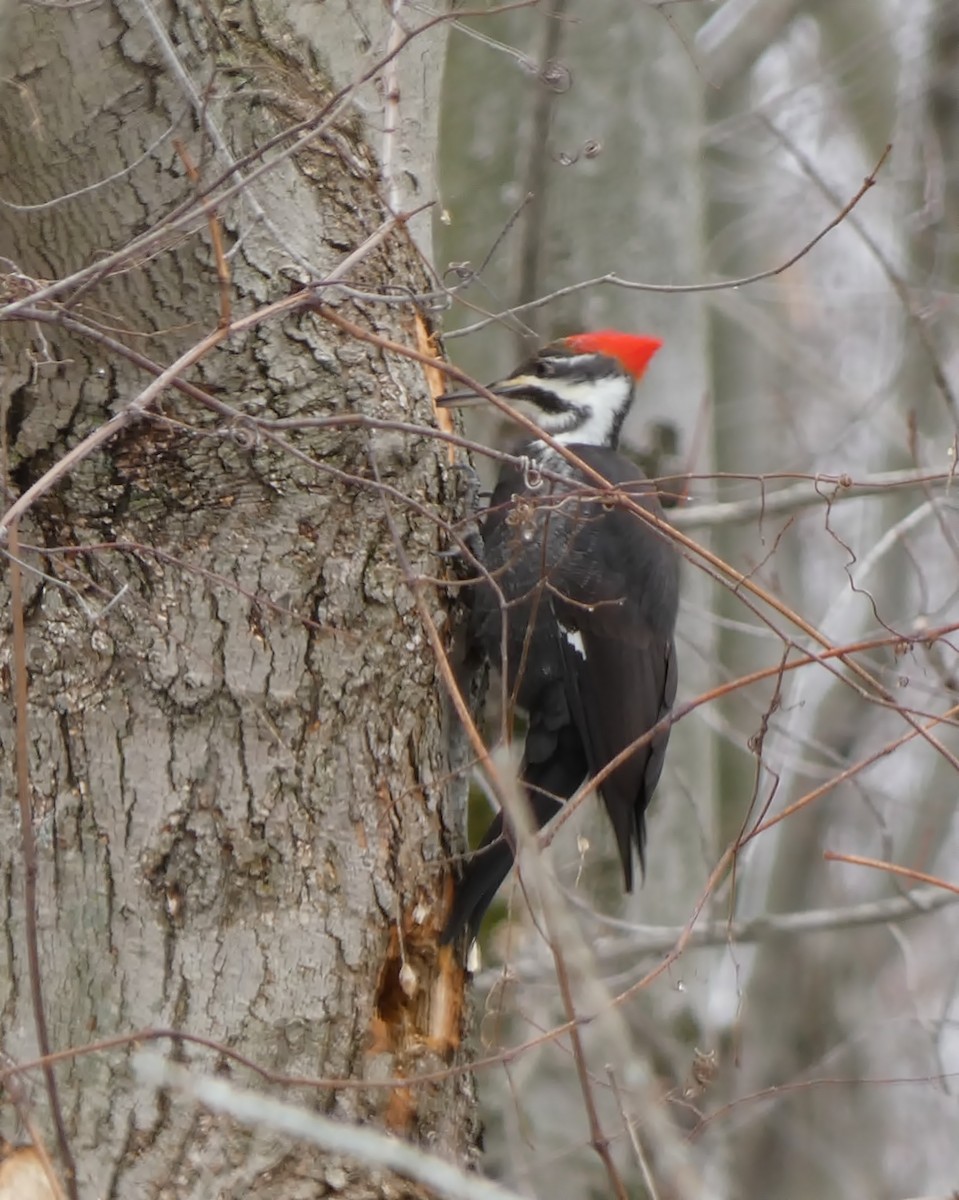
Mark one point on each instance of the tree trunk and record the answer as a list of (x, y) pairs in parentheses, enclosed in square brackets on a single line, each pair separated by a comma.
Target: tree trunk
[(239, 754)]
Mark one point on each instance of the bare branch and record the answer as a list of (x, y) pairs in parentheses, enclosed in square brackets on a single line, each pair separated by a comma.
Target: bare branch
[(637, 940), (364, 1144), (859, 860), (804, 495)]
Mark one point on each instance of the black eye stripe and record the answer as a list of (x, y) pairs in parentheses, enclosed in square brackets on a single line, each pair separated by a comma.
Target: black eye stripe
[(547, 400), (577, 368)]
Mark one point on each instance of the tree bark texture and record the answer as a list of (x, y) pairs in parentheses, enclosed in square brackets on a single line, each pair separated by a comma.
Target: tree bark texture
[(239, 755)]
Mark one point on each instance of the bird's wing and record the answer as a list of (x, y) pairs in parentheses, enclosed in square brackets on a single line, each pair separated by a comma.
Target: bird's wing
[(620, 680)]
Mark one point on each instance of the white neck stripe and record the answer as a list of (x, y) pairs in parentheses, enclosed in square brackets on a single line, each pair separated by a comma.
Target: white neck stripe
[(594, 408)]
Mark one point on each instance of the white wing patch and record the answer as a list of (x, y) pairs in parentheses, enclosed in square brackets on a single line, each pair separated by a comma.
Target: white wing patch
[(575, 639)]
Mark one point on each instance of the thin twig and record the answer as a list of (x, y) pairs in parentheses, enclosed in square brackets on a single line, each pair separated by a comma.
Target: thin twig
[(633, 1136), (859, 860), (597, 1138), (854, 769), (896, 282), (567, 946), (637, 940), (560, 935), (216, 237)]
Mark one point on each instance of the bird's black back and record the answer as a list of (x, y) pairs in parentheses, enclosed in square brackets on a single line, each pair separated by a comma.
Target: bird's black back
[(589, 592), (570, 538)]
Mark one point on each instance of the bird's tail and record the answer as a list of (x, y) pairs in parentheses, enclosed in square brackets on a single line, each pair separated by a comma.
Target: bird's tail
[(552, 773), (484, 872)]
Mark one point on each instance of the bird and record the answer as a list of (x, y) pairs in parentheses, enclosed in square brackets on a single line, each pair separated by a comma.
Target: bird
[(577, 598)]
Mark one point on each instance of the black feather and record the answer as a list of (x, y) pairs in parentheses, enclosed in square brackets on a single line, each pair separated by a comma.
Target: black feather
[(571, 569)]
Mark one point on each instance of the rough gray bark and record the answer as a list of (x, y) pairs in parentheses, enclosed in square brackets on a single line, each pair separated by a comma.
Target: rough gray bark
[(240, 772)]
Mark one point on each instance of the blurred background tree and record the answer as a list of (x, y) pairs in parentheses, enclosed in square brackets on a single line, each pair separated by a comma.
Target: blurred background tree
[(670, 144)]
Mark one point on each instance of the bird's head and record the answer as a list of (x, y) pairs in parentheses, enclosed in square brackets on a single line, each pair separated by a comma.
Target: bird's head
[(578, 389)]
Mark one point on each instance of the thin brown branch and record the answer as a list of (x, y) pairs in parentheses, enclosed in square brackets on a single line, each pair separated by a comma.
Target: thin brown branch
[(854, 769), (561, 937), (216, 237), (896, 282), (633, 1136), (776, 1091), (859, 860), (567, 945), (598, 1139)]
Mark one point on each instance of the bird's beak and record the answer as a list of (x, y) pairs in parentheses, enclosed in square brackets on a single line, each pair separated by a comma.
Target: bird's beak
[(468, 399), (462, 399)]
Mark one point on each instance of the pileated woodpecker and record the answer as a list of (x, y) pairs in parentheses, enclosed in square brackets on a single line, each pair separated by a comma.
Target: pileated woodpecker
[(588, 591)]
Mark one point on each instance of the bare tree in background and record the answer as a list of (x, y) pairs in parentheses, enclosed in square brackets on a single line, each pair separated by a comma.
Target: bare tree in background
[(619, 157)]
